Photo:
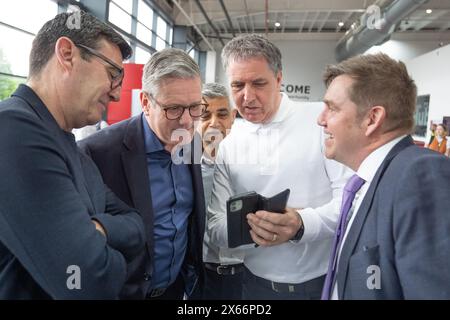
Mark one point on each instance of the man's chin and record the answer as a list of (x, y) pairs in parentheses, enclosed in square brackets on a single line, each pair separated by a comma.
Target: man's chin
[(329, 154), (254, 118)]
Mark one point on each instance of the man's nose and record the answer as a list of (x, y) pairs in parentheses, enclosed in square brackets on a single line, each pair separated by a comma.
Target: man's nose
[(185, 117), (215, 123), (249, 93), (321, 121), (115, 94)]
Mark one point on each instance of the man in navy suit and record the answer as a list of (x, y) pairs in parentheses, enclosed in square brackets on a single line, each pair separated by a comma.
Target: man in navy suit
[(397, 241), (149, 163), (63, 234)]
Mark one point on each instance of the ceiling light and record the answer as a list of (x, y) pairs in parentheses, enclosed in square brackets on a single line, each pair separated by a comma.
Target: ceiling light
[(340, 24), (277, 24), (428, 11)]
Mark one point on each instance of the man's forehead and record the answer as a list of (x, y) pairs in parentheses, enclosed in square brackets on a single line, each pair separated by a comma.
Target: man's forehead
[(218, 103), (174, 89)]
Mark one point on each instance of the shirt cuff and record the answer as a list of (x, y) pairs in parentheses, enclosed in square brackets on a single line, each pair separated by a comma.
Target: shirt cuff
[(311, 223)]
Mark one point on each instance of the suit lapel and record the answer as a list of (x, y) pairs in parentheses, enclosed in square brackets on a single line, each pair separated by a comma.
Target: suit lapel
[(197, 217), (361, 215), (134, 162), (197, 184)]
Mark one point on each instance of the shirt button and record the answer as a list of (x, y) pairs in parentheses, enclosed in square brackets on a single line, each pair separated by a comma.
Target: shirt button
[(146, 277)]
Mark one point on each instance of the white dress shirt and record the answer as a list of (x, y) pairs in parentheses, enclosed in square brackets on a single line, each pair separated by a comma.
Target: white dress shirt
[(210, 251), (367, 171), (268, 158)]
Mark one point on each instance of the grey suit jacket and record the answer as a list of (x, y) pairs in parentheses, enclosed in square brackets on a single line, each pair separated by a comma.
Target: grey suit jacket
[(398, 246)]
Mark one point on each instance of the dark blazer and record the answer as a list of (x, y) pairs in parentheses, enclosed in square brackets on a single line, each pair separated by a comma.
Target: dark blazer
[(401, 232), (49, 195), (119, 153)]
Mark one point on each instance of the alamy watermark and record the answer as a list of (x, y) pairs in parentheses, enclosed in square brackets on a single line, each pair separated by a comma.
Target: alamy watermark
[(374, 280), (260, 150), (74, 280), (374, 19), (74, 20)]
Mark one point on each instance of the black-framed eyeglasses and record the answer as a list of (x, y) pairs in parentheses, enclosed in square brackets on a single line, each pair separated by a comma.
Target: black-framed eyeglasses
[(117, 77), (175, 112)]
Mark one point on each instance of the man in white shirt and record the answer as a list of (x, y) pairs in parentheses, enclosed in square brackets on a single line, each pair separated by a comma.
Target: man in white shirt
[(396, 245), (223, 271), (278, 146)]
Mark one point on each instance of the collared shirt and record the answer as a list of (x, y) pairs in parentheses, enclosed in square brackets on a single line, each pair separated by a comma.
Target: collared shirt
[(172, 199), (267, 158), (211, 252), (367, 171)]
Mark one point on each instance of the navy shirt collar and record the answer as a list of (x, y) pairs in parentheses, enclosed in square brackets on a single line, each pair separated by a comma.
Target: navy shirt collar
[(151, 141)]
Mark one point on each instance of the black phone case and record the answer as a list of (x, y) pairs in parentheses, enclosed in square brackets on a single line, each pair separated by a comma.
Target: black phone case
[(240, 205)]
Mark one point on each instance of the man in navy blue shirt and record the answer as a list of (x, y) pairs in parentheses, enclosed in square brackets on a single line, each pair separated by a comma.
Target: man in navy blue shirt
[(148, 161)]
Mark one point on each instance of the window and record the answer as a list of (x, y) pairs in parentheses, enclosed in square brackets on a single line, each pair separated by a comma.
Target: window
[(141, 56), (161, 32), (27, 17), (145, 23), (119, 16), (170, 35), (126, 5), (151, 29), (15, 46), (161, 28), (145, 14)]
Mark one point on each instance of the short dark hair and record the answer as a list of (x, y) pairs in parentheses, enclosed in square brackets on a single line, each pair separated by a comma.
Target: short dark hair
[(88, 32), (383, 81)]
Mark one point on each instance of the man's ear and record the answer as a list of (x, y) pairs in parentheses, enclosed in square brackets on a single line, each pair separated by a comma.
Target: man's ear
[(279, 78), (65, 52), (145, 102), (374, 119)]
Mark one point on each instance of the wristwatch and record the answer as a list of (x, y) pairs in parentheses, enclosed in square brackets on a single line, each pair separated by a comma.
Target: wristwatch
[(298, 236)]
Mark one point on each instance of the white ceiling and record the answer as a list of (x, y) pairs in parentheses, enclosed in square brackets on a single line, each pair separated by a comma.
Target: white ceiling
[(299, 19)]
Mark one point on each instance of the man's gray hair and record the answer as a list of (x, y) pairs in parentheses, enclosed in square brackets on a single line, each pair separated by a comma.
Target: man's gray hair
[(252, 46), (169, 63), (214, 90)]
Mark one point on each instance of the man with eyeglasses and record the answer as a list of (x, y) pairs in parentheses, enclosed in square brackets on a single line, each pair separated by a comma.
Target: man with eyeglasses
[(63, 234), (148, 161)]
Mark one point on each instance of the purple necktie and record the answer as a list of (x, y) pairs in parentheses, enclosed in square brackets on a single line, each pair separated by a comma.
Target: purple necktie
[(353, 185)]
